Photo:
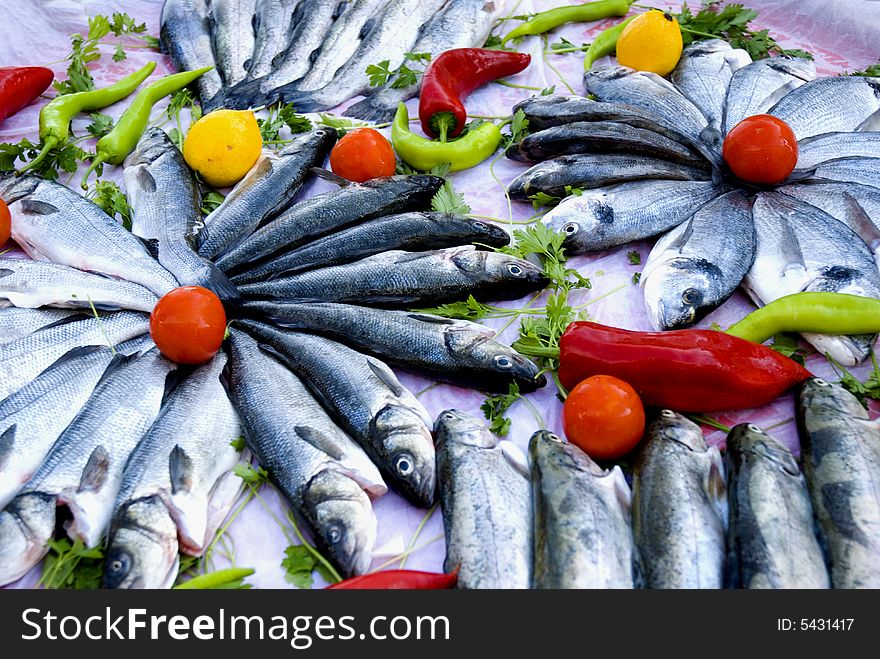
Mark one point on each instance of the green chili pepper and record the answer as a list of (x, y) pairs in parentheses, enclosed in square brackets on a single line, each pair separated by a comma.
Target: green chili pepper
[(822, 313), (56, 115), (462, 153), (547, 20), (605, 43), (115, 146), (218, 579)]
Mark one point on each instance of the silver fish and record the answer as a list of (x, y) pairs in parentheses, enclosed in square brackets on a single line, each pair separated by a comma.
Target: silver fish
[(485, 500), (51, 222), (407, 279), (616, 215), (815, 150), (186, 36), (828, 105), (272, 30), (449, 350), (864, 171), (679, 507), (16, 322), (269, 186), (841, 451), (296, 440), (367, 400), (33, 284), (166, 207), (232, 36), (772, 538), (757, 87), (695, 267), (583, 536)]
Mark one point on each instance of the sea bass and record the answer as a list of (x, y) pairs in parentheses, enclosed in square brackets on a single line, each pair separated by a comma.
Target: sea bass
[(16, 322), (273, 25), (864, 171), (232, 37), (815, 150)]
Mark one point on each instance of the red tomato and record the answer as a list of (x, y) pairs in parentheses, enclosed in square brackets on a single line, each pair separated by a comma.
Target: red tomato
[(362, 154), (188, 325), (604, 417), (5, 223), (761, 149)]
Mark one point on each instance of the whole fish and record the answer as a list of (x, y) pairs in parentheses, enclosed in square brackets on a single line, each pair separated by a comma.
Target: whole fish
[(269, 186), (449, 350), (406, 279), (82, 471), (186, 36), (757, 87), (864, 171), (459, 24), (616, 215), (32, 284), (828, 105), (485, 500), (841, 451), (679, 507), (367, 400), (25, 358), (600, 137), (32, 418), (583, 536), (412, 232), (51, 222), (584, 171), (308, 455), (232, 36), (334, 210), (166, 207), (815, 150), (801, 248), (16, 322), (772, 538), (272, 30), (703, 74), (695, 267)]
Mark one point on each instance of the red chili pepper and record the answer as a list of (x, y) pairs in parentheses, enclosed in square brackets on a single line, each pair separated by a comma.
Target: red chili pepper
[(685, 370), (452, 76), (399, 580), (19, 85)]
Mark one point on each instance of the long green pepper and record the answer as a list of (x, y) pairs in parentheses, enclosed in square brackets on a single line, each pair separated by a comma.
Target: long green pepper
[(115, 146), (56, 115), (552, 18), (605, 43)]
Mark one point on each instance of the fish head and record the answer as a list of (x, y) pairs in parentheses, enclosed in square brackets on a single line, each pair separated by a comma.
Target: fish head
[(486, 233), (520, 273), (152, 146), (585, 221), (342, 520), (548, 449), (26, 526), (747, 442), (818, 394), (143, 549), (680, 291), (676, 429), (13, 188), (406, 452), (458, 427), (496, 362)]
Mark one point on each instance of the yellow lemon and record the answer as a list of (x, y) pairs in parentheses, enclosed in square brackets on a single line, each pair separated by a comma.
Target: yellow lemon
[(223, 145), (651, 42)]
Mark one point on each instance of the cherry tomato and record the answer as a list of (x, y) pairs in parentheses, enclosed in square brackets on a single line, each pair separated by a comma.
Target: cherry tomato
[(761, 149), (604, 417), (361, 155), (5, 223), (188, 325)]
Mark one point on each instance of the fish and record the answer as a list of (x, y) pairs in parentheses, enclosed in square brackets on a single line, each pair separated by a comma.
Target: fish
[(600, 137), (703, 75), (366, 400), (181, 470), (269, 186), (273, 24), (414, 231), (32, 418), (25, 358), (185, 35), (83, 469), (583, 518), (679, 506), (459, 24), (333, 210), (33, 284), (771, 538), (486, 504), (829, 105), (166, 208), (611, 216), (757, 87), (232, 37), (695, 267), (51, 222), (406, 279), (813, 151), (311, 459), (864, 171), (555, 177), (841, 456), (454, 351), (16, 322), (802, 248)]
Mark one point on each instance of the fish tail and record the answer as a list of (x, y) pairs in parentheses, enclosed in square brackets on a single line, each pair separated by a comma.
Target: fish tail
[(371, 109)]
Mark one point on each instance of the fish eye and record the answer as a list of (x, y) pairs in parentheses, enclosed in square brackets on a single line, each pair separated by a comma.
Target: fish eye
[(404, 464), (502, 361), (554, 438), (667, 413), (334, 533), (449, 416), (753, 428), (119, 565), (480, 226), (691, 296), (570, 228), (821, 383), (514, 269)]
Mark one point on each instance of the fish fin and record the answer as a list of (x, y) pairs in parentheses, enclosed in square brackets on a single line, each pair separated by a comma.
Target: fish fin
[(5, 272), (774, 98), (145, 179), (95, 472), (117, 362), (369, 109), (387, 379), (173, 379), (716, 485), (711, 136), (368, 27), (189, 509), (36, 207), (339, 9), (684, 236), (180, 470), (791, 246), (621, 489), (215, 280), (7, 444), (872, 123), (272, 352), (75, 353), (330, 177), (320, 441), (428, 318), (69, 319), (515, 458), (861, 222), (151, 245)]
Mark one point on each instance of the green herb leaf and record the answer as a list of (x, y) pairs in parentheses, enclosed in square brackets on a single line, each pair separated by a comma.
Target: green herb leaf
[(210, 201), (636, 278), (519, 128), (468, 309), (250, 475), (872, 71), (299, 565), (119, 54), (406, 77), (447, 200), (238, 444), (548, 91), (379, 73), (541, 199), (341, 124), (634, 257), (787, 345), (112, 199), (495, 409), (101, 124), (151, 41), (72, 566)]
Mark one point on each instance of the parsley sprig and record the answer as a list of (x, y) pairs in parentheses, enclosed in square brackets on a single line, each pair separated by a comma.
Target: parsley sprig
[(281, 115), (403, 76)]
